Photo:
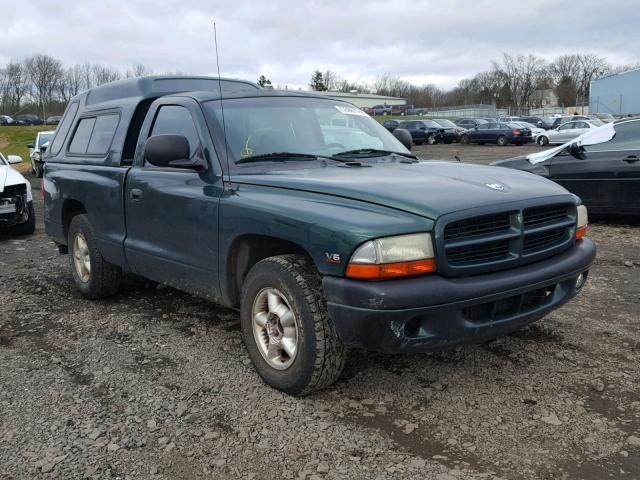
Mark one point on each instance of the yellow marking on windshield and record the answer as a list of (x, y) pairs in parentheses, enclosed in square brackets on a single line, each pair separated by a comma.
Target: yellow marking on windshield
[(247, 151)]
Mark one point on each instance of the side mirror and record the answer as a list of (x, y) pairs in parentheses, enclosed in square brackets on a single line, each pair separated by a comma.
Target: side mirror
[(14, 159), (31, 145), (404, 137), (171, 151)]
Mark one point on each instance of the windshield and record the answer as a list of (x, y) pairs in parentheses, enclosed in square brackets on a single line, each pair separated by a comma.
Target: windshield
[(264, 125), (44, 138), (446, 123)]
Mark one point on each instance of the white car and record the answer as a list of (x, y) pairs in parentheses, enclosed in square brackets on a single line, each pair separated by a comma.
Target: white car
[(566, 132), (36, 153), (16, 201)]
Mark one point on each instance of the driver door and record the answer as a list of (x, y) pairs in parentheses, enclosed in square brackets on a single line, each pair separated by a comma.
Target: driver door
[(172, 213)]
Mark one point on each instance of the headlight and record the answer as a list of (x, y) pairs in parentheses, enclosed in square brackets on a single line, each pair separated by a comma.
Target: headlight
[(583, 222), (388, 257)]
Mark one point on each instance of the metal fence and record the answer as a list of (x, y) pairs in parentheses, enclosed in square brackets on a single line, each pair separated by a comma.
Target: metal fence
[(479, 110)]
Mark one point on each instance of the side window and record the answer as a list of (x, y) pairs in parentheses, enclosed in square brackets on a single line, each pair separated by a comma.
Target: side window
[(82, 135), (63, 128), (102, 135), (567, 126), (93, 135), (627, 138), (177, 120)]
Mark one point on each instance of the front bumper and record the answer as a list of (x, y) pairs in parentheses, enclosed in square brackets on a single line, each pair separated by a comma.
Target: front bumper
[(13, 205), (432, 313)]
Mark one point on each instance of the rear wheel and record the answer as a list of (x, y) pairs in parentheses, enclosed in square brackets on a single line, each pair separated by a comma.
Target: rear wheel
[(286, 328), (418, 142), (94, 276), (502, 140), (431, 139), (464, 139)]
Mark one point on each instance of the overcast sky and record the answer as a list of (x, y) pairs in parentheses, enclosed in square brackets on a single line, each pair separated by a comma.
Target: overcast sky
[(436, 42)]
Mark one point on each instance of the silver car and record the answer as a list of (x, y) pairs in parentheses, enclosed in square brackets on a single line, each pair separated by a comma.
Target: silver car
[(566, 131)]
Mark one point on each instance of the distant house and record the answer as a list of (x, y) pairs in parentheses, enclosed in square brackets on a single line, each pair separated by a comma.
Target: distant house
[(545, 98)]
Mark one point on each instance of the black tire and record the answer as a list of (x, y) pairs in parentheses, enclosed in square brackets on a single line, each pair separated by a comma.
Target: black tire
[(542, 140), (464, 139), (480, 143), (418, 142), (320, 355), (28, 227), (502, 141), (431, 139), (39, 169), (104, 278)]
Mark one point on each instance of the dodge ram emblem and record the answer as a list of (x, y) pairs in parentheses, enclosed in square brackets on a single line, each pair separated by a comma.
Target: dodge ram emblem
[(495, 186)]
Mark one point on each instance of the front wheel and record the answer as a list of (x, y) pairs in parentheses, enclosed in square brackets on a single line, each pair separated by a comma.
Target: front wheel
[(29, 226), (431, 139), (542, 141), (289, 336), (93, 275)]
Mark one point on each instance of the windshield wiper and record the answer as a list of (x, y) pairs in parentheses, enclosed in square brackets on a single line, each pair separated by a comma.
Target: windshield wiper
[(371, 152), (282, 157)]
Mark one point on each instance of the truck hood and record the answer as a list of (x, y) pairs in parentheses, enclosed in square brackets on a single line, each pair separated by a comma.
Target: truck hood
[(429, 189)]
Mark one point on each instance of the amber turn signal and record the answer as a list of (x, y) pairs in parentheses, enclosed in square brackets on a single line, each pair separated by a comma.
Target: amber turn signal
[(581, 232), (391, 270)]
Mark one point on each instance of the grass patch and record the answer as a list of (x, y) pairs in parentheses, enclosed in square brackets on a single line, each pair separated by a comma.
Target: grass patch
[(14, 140)]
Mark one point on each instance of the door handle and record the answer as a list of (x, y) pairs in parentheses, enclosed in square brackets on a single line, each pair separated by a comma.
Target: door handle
[(631, 159), (136, 194)]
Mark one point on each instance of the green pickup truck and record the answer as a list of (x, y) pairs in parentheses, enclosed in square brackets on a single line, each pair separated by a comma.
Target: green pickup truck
[(306, 215)]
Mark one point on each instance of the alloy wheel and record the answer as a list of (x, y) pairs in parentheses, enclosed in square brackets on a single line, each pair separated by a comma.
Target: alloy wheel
[(81, 258)]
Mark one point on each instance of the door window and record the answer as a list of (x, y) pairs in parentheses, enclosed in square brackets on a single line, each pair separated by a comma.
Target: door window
[(177, 120), (627, 137), (486, 126), (567, 126)]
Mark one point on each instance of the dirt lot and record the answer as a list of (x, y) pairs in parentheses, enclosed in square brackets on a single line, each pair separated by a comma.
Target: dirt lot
[(154, 383)]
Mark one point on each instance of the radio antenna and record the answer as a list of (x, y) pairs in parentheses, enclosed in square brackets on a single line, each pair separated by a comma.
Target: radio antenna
[(224, 128)]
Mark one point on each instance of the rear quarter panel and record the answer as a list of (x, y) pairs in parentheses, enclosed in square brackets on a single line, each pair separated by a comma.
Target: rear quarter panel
[(99, 189)]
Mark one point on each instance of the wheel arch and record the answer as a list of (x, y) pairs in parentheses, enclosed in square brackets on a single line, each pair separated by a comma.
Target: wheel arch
[(70, 209), (247, 250)]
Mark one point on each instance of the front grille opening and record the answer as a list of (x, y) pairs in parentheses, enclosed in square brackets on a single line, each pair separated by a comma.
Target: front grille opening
[(471, 227), (479, 253), (539, 241), (535, 216), (510, 306)]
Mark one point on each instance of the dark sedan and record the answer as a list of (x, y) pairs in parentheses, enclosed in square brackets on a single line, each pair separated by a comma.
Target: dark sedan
[(499, 133), (541, 122), (54, 120), (426, 131), (28, 120), (605, 175)]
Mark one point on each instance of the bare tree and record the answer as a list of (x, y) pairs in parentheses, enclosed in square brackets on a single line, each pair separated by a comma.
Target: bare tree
[(71, 84), (45, 73), (102, 75), (138, 70), (330, 80), (522, 74)]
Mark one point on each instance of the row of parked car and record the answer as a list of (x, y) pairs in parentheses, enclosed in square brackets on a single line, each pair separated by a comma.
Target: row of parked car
[(28, 119), (502, 131)]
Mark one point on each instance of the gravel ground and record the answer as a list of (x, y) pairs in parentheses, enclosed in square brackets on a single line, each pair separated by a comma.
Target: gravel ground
[(154, 383)]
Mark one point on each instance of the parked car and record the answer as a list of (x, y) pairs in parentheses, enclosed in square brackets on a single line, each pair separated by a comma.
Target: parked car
[(562, 119), (54, 120), (450, 128), (566, 132), (37, 151), (6, 120), (601, 166), (535, 131), (469, 123), (28, 119), (411, 110), (539, 122), (399, 110), (16, 203), (603, 117), (381, 110), (499, 133), (390, 125), (325, 237), (427, 131)]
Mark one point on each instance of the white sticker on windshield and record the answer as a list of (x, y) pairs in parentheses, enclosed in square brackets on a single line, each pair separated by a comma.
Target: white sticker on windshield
[(350, 110)]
